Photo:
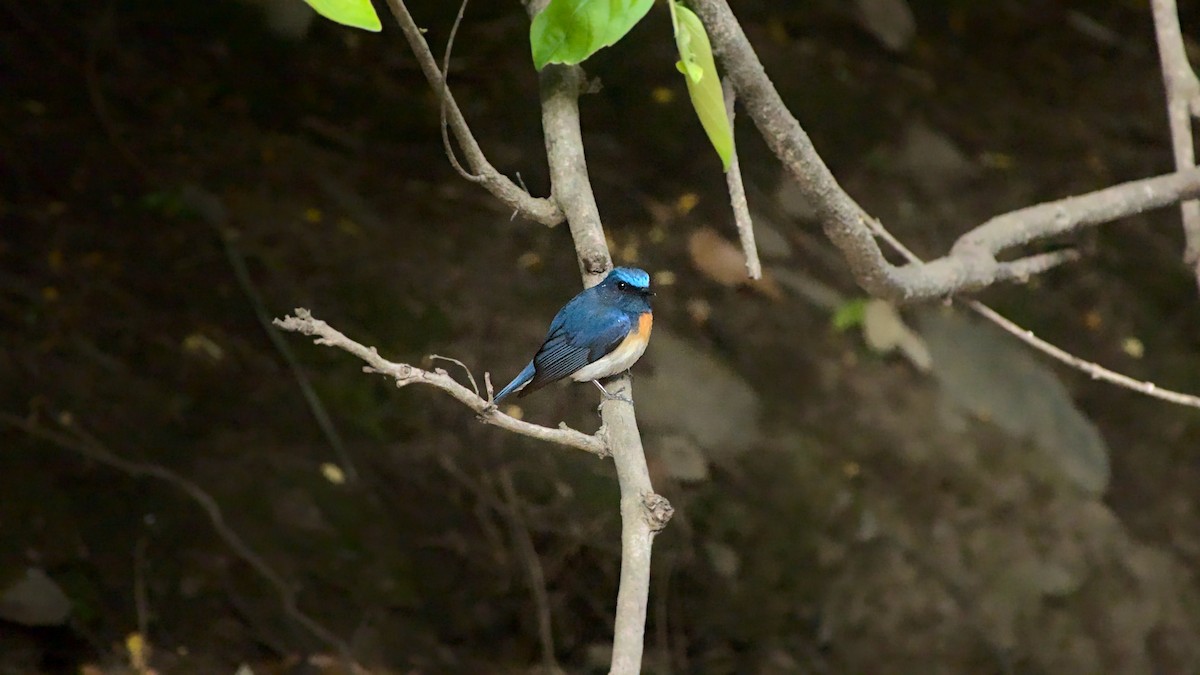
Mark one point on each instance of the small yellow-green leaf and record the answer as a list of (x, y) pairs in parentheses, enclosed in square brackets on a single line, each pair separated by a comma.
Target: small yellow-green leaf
[(353, 13), (850, 314), (569, 31), (704, 86)]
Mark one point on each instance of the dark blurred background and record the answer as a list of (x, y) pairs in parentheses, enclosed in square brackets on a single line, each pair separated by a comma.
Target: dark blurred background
[(913, 493)]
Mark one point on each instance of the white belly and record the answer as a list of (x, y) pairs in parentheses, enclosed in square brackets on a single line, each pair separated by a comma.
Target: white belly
[(617, 361)]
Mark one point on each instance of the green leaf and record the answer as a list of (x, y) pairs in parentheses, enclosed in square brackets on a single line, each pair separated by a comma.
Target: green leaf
[(704, 86), (850, 314), (693, 71), (353, 13), (569, 31)]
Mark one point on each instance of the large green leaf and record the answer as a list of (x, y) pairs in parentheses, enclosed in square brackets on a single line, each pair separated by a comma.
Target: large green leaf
[(353, 13), (704, 86), (569, 31)]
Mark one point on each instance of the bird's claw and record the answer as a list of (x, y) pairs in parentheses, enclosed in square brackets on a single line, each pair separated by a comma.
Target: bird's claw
[(611, 397), (617, 397)]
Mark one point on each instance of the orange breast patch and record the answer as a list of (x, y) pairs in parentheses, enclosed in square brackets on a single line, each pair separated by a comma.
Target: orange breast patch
[(645, 323)]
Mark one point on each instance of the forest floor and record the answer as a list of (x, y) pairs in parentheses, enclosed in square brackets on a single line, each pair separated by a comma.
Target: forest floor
[(172, 176)]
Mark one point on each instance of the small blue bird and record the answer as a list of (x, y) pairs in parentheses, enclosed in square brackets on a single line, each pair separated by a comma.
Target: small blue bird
[(600, 333)]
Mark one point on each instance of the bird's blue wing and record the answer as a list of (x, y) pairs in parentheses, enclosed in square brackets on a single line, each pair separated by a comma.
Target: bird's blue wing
[(577, 337)]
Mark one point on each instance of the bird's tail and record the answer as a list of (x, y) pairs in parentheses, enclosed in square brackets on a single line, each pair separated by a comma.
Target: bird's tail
[(518, 382)]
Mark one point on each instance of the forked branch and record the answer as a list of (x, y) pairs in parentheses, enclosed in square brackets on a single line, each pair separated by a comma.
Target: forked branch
[(538, 209), (1183, 103), (974, 262), (1092, 369)]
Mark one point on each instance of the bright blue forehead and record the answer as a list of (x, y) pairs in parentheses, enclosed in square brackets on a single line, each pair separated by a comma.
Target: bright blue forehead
[(632, 276)]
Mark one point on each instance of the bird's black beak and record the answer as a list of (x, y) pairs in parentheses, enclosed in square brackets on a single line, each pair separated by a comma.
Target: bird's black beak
[(649, 293)]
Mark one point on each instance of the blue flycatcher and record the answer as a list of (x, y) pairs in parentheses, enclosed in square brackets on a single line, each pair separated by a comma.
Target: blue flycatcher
[(600, 333)]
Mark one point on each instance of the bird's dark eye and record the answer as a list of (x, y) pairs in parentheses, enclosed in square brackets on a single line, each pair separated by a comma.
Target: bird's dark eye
[(622, 285)]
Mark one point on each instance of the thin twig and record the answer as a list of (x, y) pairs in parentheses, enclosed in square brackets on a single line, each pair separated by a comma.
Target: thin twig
[(460, 364), (88, 446), (737, 193), (319, 411), (537, 209), (405, 374), (91, 78), (662, 613), (533, 567), (212, 211), (141, 602), (487, 503), (445, 94), (1183, 97), (1094, 370)]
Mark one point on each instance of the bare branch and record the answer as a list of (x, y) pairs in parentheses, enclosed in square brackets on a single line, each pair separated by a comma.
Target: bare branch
[(1050, 219), (537, 209), (1183, 101), (523, 541), (561, 86), (1092, 369), (460, 364), (737, 194), (211, 209), (444, 94), (972, 264), (405, 374)]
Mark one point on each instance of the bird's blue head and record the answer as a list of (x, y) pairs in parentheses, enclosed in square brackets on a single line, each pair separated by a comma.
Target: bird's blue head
[(637, 279), (628, 287)]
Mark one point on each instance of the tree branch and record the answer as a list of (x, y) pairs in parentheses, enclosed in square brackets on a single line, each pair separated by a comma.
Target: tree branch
[(523, 542), (972, 264), (643, 513), (405, 374), (1183, 101), (737, 193), (1092, 369), (537, 209), (211, 209)]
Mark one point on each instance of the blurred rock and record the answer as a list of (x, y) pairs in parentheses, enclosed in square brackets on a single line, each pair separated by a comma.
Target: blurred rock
[(885, 331), (35, 600), (689, 393), (772, 245), (296, 508), (724, 560), (724, 262), (889, 21), (807, 287), (932, 161), (682, 459), (793, 201), (987, 374)]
